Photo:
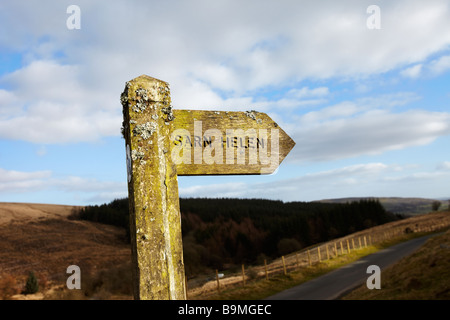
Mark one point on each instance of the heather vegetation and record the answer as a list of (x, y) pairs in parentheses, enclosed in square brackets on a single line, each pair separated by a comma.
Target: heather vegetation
[(219, 233)]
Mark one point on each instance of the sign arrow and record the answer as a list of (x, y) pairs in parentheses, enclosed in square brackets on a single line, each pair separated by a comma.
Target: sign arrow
[(226, 143)]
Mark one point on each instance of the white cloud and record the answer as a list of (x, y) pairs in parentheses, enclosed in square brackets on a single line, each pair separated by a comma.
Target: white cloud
[(214, 58), (387, 101), (358, 180), (341, 110), (232, 49), (440, 65), (9, 104), (227, 55), (348, 109), (74, 183), (17, 176), (370, 132), (306, 92), (51, 106), (232, 190), (12, 182), (412, 72), (19, 181), (204, 53), (431, 68), (445, 165)]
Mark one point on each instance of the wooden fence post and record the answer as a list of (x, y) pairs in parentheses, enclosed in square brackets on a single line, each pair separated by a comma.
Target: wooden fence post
[(309, 258), (265, 269), (156, 242), (284, 266), (217, 279), (318, 253), (243, 275)]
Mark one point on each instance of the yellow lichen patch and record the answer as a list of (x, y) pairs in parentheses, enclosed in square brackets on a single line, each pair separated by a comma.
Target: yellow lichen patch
[(153, 191), (250, 142)]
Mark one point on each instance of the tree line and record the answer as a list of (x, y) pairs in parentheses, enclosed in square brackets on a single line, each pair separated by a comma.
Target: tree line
[(218, 233)]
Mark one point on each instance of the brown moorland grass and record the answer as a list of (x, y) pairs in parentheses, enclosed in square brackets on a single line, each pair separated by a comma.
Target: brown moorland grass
[(21, 212), (41, 238)]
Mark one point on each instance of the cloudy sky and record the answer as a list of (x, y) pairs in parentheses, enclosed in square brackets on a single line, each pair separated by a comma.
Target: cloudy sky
[(363, 90)]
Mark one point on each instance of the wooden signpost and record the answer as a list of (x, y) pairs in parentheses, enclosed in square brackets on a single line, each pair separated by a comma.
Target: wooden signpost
[(227, 143), (162, 144)]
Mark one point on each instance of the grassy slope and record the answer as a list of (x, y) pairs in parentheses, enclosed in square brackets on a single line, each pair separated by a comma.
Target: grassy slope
[(257, 289), (261, 288), (424, 275)]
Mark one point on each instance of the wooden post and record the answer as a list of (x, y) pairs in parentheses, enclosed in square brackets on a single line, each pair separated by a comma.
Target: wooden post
[(348, 247), (353, 244), (297, 260), (309, 258), (284, 266), (342, 248), (365, 242), (335, 249), (243, 275), (318, 254), (217, 279), (155, 223), (152, 132), (359, 239), (265, 269), (328, 253)]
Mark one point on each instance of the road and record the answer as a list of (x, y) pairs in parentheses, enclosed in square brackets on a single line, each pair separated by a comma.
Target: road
[(338, 282)]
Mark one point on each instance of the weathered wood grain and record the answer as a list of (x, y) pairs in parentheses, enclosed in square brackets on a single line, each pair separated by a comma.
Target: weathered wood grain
[(155, 225), (250, 142)]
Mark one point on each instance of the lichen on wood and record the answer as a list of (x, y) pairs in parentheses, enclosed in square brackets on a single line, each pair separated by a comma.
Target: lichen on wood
[(153, 191)]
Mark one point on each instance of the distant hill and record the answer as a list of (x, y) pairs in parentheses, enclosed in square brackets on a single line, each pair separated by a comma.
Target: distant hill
[(397, 205), (11, 211)]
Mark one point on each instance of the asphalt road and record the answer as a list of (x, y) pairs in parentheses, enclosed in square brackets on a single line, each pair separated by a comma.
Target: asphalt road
[(338, 282)]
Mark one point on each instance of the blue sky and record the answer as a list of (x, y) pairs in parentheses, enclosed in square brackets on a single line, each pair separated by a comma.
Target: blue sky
[(368, 108)]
